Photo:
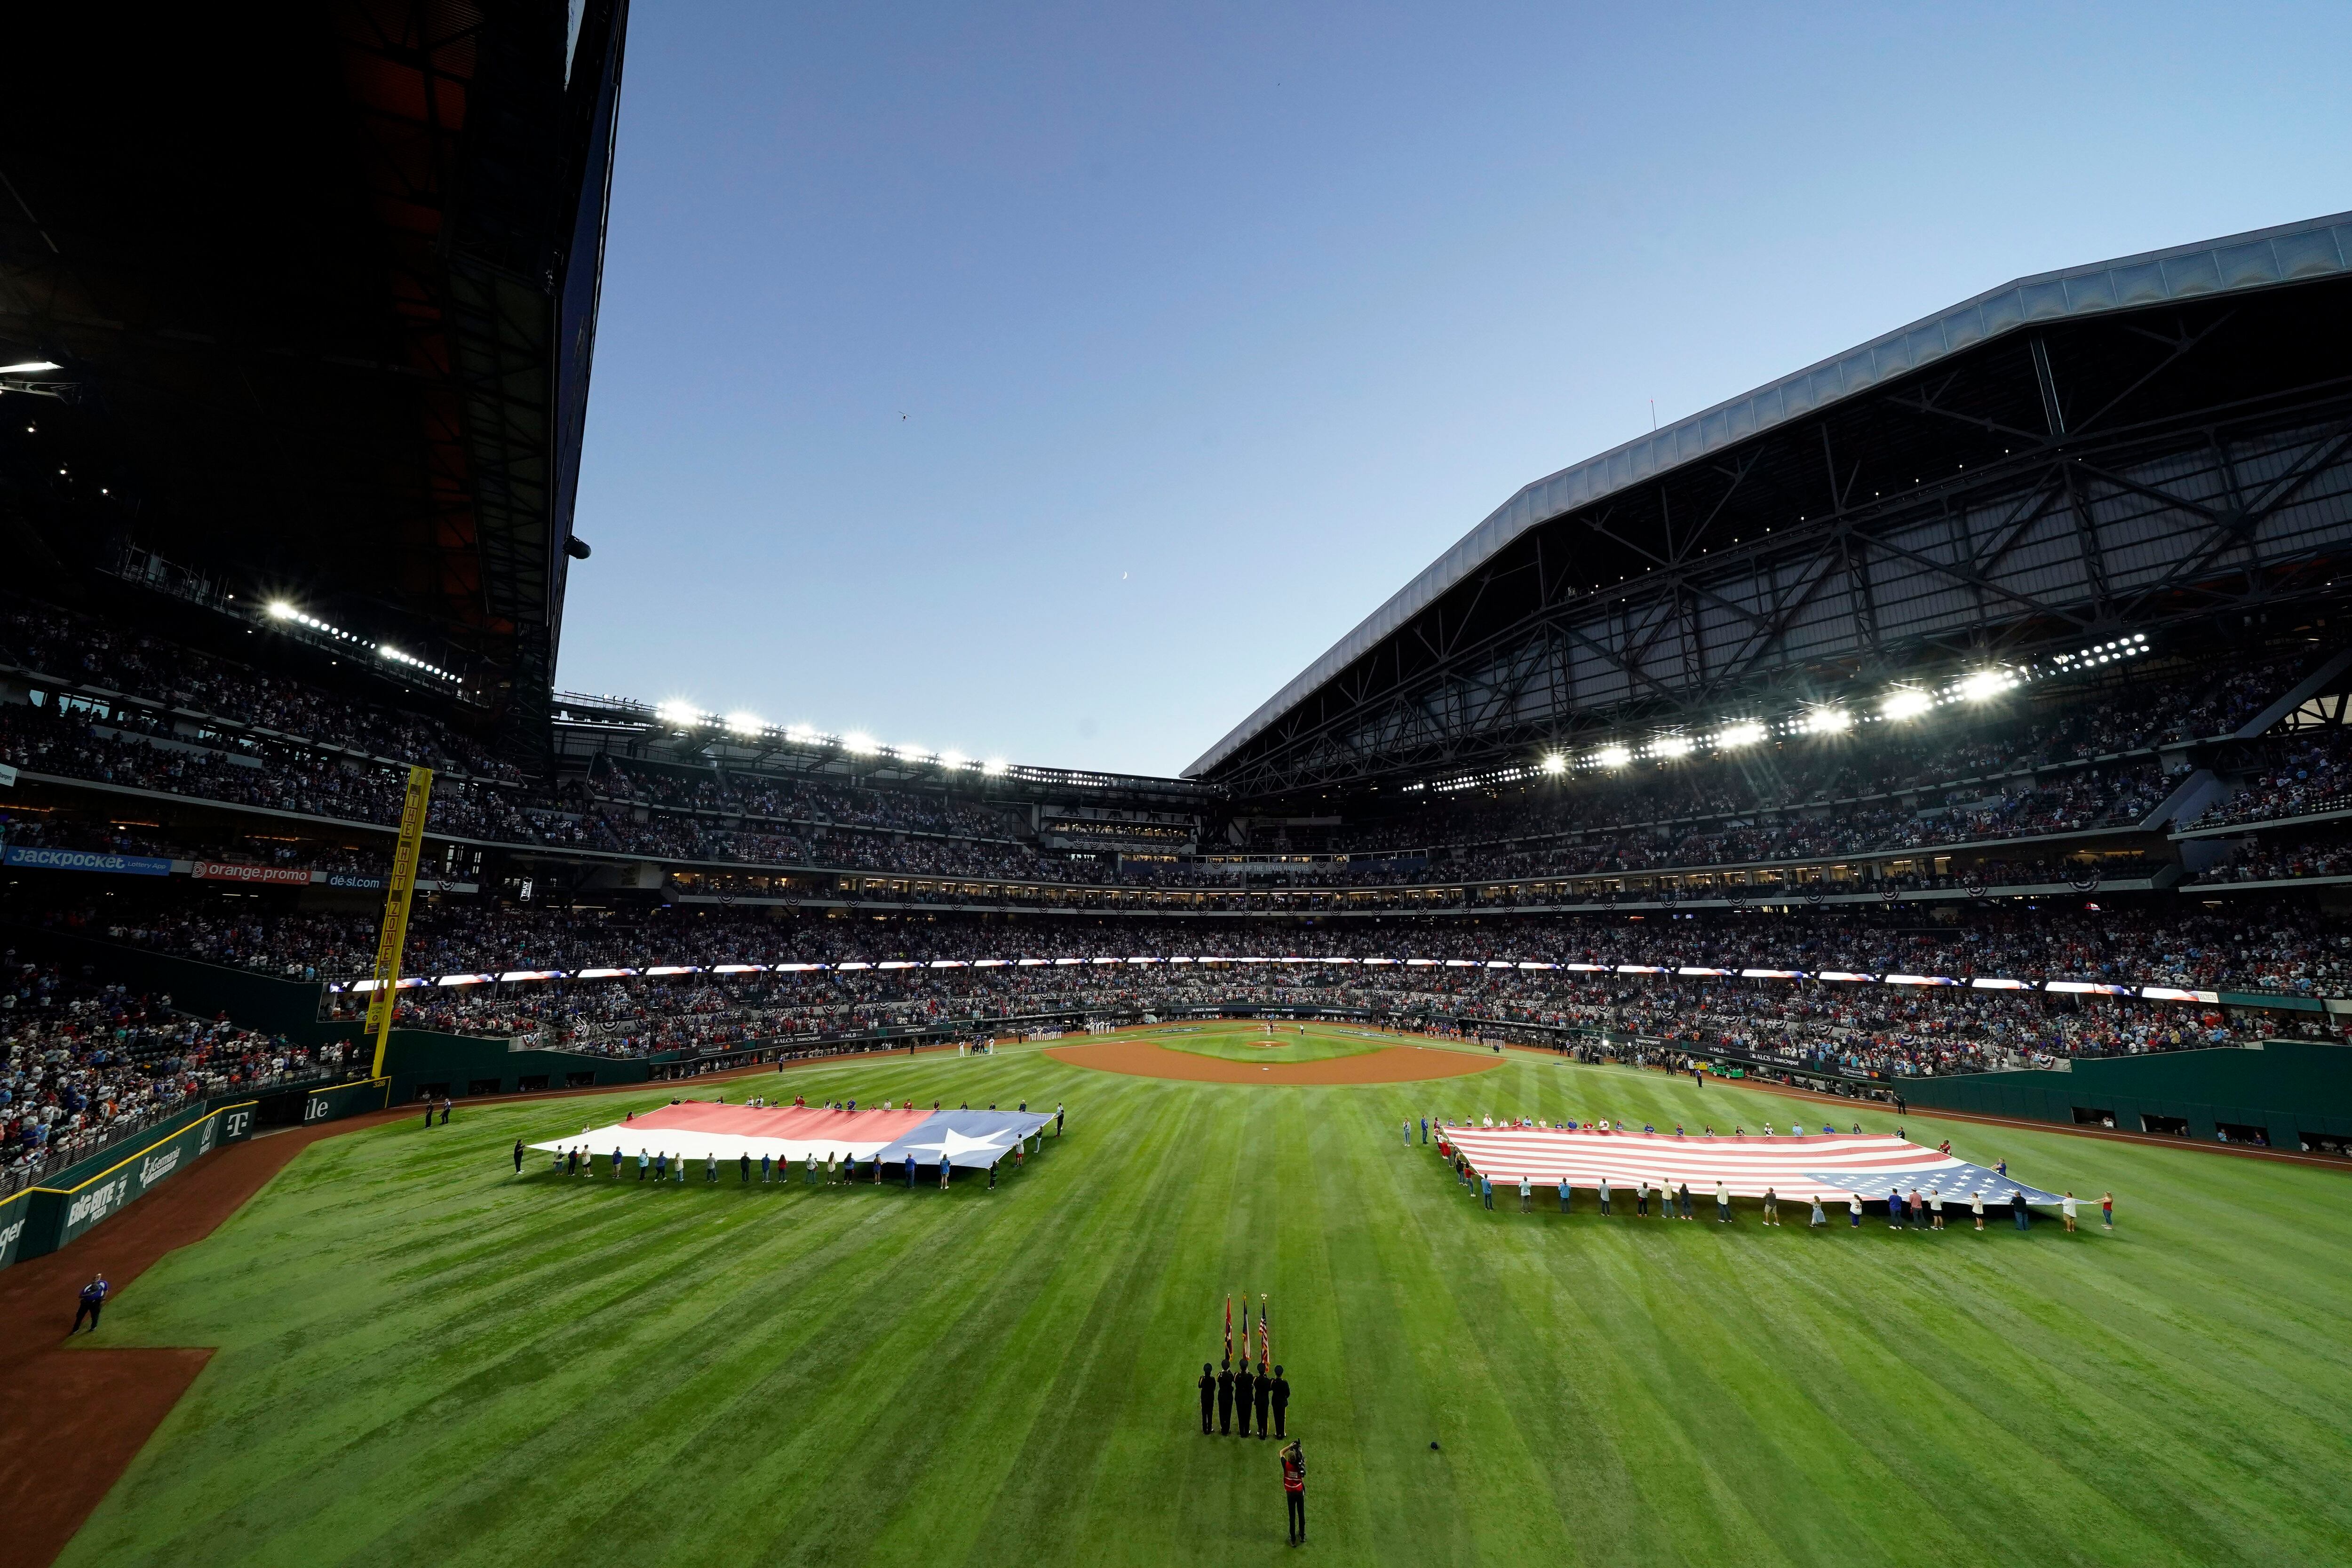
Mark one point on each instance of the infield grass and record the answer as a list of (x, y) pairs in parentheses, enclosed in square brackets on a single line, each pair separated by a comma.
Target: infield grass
[(1250, 1043), (425, 1360)]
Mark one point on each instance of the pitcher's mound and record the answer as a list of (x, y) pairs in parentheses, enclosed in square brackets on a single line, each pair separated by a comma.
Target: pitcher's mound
[(1397, 1064)]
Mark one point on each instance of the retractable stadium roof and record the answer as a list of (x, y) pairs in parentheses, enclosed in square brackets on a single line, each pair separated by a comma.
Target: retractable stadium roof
[(2305, 253), (301, 301)]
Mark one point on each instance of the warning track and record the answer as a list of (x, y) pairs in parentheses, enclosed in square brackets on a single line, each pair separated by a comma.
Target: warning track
[(1397, 1064)]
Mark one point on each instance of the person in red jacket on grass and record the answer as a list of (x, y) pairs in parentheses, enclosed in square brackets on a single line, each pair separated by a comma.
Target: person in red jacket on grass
[(1294, 1490)]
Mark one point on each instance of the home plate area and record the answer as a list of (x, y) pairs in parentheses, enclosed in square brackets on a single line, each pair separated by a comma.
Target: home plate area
[(969, 1140)]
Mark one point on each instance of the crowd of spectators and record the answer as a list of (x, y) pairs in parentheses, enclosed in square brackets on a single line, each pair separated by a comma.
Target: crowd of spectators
[(2303, 774), (143, 748), (2268, 860), (2018, 770), (2022, 770), (63, 646), (2276, 946), (1470, 972), (82, 1066)]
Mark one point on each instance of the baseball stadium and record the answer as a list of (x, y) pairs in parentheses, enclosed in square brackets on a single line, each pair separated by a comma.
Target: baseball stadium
[(1895, 804)]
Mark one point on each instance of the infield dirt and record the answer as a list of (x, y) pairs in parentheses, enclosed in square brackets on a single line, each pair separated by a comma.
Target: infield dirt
[(1397, 1064)]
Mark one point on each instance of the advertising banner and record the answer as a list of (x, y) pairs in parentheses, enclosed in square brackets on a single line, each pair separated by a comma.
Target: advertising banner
[(279, 875), (77, 1198), (345, 1099), (35, 857), (14, 1210)]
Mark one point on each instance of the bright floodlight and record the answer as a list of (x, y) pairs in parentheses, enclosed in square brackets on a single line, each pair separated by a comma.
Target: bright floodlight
[(1983, 684), (743, 723), (1746, 732), (1907, 703), (993, 766), (1828, 720), (950, 759), (801, 732), (1553, 763), (1613, 756), (1671, 746), (280, 610), (28, 367), (858, 744), (674, 712)]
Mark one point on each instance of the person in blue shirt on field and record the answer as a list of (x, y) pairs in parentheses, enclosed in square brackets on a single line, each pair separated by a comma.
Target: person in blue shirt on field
[(766, 1167), (93, 1301), (910, 1172), (946, 1170), (616, 1162), (1564, 1191), (1424, 1129), (661, 1166), (1486, 1190)]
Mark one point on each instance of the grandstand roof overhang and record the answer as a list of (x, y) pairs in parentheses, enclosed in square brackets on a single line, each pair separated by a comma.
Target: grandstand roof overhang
[(1780, 534), (319, 284)]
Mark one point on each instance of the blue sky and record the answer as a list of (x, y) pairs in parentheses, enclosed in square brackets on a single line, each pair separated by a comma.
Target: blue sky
[(1055, 383)]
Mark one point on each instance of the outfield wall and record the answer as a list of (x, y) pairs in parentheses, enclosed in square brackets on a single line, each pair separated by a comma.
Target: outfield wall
[(43, 1218), (418, 1061), (2293, 1089)]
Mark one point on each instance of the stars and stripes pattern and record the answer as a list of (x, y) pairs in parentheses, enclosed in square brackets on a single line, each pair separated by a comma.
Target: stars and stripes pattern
[(1834, 1165)]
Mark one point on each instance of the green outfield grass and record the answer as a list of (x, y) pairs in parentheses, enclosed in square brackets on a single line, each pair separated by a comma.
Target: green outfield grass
[(1251, 1043), (425, 1361)]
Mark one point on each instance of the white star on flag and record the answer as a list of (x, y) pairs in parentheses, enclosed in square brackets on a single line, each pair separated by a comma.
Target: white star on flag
[(954, 1143)]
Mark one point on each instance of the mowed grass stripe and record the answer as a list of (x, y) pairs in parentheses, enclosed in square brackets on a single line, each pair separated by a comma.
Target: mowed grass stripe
[(424, 1358)]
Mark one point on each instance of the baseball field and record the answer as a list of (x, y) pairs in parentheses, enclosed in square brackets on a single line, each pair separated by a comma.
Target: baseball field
[(425, 1358)]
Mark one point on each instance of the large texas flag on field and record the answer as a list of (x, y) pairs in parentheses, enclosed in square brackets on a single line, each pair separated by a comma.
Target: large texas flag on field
[(697, 1127), (1832, 1165)]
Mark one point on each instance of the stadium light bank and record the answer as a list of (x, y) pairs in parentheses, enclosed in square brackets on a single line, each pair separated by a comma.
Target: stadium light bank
[(1901, 704), (680, 714), (281, 610)]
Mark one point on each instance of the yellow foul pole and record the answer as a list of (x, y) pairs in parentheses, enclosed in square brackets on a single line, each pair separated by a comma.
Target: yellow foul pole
[(384, 995)]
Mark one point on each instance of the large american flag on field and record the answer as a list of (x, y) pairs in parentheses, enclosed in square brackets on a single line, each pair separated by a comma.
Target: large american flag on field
[(1834, 1165), (698, 1129)]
